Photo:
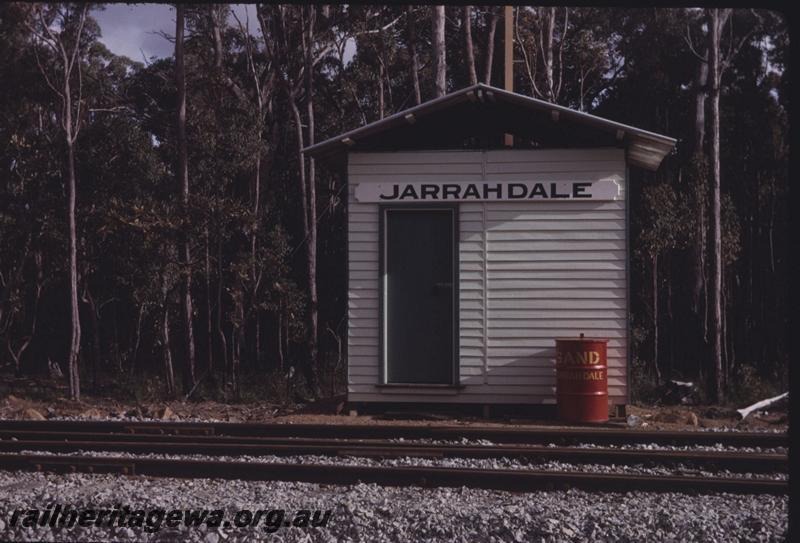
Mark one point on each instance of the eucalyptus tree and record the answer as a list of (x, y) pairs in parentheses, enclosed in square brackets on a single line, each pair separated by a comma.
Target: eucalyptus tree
[(30, 174), (542, 48), (413, 53), (59, 43), (469, 49), (494, 15), (439, 52), (253, 90), (302, 38), (718, 61), (182, 175)]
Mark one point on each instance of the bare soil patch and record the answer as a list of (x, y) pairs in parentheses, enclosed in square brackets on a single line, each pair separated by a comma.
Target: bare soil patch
[(332, 411)]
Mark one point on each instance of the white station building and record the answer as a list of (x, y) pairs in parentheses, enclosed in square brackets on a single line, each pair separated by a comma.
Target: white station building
[(469, 254)]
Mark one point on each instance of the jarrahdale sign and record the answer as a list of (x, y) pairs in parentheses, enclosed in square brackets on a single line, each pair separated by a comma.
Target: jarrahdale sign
[(489, 191)]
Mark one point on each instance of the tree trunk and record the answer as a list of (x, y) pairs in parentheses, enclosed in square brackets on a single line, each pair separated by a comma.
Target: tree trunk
[(169, 374), (16, 354), (217, 15), (716, 19), (256, 203), (311, 246), (307, 367), (209, 342), (285, 333), (223, 343), (412, 44), (237, 340), (672, 332), (490, 46), (655, 320), (698, 247), (166, 350), (439, 54), (546, 48), (254, 249), (70, 59), (470, 50), (389, 102), (75, 336), (138, 338), (724, 326), (280, 337), (96, 350), (700, 97), (183, 179), (381, 104)]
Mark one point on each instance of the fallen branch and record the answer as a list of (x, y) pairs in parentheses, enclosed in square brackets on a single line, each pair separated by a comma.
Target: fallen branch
[(744, 412)]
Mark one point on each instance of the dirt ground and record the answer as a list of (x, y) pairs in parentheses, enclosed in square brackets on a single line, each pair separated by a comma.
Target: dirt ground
[(333, 411)]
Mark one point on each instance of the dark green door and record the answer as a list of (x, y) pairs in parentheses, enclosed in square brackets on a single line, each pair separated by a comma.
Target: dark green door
[(419, 295)]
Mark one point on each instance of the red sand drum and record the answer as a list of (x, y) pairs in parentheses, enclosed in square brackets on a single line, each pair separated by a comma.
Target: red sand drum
[(582, 379)]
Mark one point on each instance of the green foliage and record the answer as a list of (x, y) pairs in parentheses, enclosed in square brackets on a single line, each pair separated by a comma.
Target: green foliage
[(644, 388), (667, 221), (248, 270), (748, 385), (731, 231)]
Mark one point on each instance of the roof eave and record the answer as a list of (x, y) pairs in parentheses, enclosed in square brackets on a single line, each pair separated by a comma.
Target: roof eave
[(645, 149), (397, 119)]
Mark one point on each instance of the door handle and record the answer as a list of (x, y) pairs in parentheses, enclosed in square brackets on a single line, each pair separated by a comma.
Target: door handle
[(443, 285)]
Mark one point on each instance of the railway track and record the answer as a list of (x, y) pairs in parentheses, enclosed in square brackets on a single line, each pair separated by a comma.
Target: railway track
[(231, 446), (61, 447), (562, 436), (494, 479)]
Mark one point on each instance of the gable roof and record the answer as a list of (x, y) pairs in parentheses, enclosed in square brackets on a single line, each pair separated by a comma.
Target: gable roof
[(482, 111)]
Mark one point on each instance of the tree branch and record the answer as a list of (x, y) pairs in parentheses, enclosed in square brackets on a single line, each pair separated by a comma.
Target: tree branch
[(44, 73), (249, 52), (78, 35), (528, 67), (52, 37), (688, 39), (562, 39), (383, 28), (113, 109), (733, 51), (41, 36), (80, 74), (216, 34), (79, 107)]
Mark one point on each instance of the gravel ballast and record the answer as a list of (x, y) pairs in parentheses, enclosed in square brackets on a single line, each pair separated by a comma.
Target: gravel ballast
[(717, 447), (502, 463), (372, 513)]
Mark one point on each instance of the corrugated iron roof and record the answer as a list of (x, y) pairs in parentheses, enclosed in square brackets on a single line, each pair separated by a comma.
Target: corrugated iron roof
[(644, 149)]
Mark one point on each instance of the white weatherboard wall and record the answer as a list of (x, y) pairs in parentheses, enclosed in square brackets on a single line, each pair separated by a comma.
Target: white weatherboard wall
[(529, 272)]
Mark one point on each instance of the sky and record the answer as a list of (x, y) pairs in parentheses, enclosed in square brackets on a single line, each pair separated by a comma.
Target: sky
[(133, 30), (130, 30)]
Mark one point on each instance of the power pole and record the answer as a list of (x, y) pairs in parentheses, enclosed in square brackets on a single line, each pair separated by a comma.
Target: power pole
[(508, 62)]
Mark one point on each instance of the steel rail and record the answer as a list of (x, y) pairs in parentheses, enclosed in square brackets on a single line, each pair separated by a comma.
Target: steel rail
[(227, 446), (509, 480), (497, 434)]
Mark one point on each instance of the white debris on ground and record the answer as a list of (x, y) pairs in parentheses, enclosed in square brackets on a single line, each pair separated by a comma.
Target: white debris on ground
[(372, 513), (469, 463)]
